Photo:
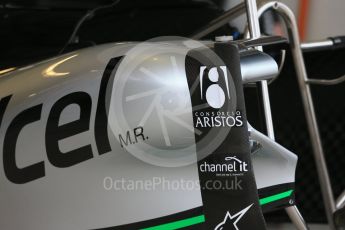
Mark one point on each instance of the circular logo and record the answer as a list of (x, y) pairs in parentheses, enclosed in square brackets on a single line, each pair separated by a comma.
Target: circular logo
[(150, 101)]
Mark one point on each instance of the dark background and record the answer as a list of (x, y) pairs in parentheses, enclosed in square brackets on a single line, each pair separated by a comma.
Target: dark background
[(32, 30)]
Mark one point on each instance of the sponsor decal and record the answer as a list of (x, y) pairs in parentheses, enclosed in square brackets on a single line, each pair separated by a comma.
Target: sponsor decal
[(218, 119), (55, 132), (230, 221), (215, 95), (231, 166), (215, 89)]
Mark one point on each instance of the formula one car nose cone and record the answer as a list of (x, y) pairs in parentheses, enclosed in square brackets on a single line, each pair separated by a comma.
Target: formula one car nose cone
[(150, 108)]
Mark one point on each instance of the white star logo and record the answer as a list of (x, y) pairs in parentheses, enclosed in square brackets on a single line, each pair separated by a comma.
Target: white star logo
[(234, 218)]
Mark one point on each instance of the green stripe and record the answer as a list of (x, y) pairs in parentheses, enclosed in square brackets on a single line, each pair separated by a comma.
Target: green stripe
[(200, 219), (275, 197), (179, 224)]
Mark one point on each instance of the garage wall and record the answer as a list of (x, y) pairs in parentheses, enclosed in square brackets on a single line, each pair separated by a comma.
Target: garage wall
[(326, 18)]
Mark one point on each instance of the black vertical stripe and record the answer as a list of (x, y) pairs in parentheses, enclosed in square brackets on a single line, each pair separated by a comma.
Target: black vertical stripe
[(101, 122)]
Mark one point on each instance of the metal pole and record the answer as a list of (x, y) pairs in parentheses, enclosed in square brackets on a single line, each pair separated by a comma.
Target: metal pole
[(326, 189), (319, 45), (254, 29), (296, 217)]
